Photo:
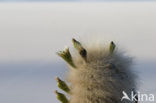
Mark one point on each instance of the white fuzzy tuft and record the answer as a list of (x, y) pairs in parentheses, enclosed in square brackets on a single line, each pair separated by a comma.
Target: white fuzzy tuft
[(102, 78)]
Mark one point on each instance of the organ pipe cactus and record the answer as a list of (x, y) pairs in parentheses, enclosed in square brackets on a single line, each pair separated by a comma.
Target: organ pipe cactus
[(96, 75)]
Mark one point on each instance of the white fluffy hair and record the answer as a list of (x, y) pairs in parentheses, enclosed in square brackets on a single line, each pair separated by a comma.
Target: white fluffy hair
[(102, 78)]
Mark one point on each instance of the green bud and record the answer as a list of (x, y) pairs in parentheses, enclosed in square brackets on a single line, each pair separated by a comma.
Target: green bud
[(66, 56), (112, 47), (80, 49), (62, 85), (61, 97)]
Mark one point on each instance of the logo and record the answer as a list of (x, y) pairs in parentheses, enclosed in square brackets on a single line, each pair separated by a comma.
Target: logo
[(125, 96), (137, 96)]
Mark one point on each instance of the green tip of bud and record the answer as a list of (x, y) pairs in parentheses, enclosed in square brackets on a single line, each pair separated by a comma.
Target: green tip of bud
[(76, 44), (61, 97), (80, 48), (65, 54), (112, 47), (55, 92), (62, 85), (57, 79)]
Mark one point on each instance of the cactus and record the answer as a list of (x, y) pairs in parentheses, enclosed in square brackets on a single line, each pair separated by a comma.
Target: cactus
[(96, 75)]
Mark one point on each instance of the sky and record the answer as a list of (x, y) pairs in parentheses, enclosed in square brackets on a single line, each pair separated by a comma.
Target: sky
[(32, 33)]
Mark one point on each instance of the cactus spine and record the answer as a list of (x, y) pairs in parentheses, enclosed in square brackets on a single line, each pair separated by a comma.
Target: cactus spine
[(96, 75)]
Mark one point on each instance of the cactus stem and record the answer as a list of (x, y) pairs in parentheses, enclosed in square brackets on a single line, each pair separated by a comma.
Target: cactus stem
[(80, 49), (62, 85), (61, 97), (112, 47), (65, 54)]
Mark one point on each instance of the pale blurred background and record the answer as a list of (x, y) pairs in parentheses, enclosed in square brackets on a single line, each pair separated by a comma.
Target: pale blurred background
[(32, 32)]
